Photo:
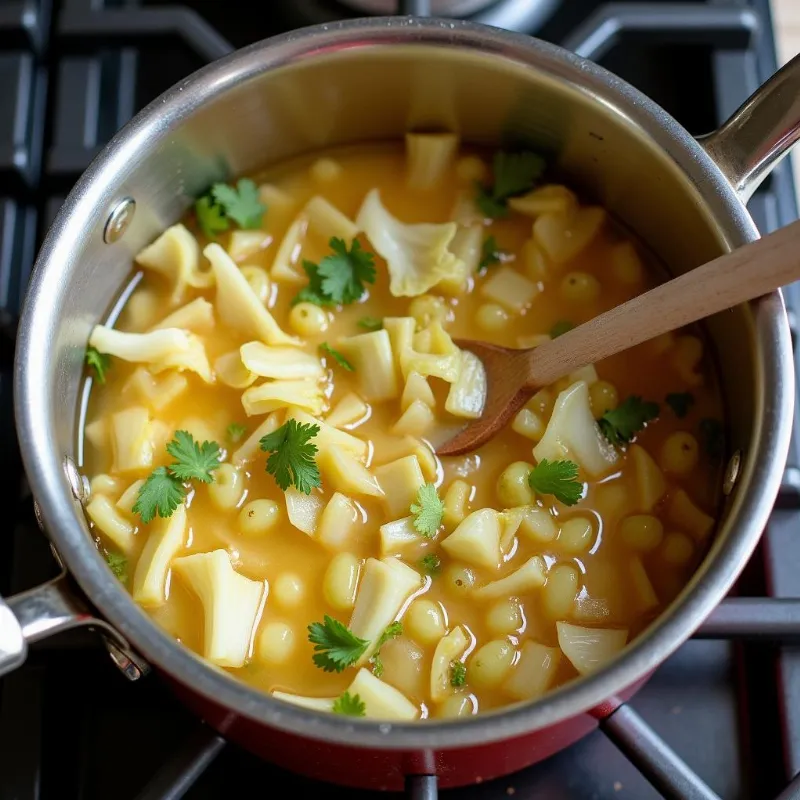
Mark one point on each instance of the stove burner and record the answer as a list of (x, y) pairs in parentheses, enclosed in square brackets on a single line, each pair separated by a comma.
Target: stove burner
[(526, 16), (438, 8)]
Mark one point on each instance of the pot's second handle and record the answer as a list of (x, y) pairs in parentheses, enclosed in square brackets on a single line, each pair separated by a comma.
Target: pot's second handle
[(52, 608), (760, 133)]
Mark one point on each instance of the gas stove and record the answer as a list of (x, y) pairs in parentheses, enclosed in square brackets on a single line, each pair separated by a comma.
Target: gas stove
[(720, 720)]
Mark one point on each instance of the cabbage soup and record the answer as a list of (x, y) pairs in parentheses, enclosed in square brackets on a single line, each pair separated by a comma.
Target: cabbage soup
[(261, 430)]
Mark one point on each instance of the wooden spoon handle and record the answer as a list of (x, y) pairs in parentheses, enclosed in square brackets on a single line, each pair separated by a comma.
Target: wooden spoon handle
[(744, 274)]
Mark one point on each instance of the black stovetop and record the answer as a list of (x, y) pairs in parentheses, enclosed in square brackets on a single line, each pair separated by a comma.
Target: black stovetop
[(720, 719)]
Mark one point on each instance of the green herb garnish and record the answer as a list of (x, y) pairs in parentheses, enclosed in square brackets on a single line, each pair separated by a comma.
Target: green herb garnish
[(292, 455)]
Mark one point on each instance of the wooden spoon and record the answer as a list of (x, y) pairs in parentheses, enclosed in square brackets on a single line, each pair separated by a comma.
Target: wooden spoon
[(514, 375)]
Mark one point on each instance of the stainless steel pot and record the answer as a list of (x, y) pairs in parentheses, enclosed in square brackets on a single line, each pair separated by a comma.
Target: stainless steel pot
[(367, 80)]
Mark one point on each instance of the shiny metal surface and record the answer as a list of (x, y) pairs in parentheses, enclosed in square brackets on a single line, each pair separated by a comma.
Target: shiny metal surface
[(367, 80), (13, 647), (52, 608), (119, 220), (760, 133)]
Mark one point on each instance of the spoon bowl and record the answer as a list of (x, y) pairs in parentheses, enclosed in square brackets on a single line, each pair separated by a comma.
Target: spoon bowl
[(512, 376)]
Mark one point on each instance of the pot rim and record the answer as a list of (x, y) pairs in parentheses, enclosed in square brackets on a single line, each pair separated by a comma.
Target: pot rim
[(96, 189)]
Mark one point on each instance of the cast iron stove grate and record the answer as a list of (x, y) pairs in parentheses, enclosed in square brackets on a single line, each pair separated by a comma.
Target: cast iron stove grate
[(71, 75)]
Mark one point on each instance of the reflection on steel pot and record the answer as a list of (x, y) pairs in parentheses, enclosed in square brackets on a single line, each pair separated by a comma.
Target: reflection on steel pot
[(374, 79)]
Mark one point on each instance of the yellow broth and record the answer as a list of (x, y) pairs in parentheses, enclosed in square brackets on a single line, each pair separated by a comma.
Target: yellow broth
[(619, 576)]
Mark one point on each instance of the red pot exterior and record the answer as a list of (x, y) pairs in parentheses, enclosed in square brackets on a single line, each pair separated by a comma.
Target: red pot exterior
[(387, 769)]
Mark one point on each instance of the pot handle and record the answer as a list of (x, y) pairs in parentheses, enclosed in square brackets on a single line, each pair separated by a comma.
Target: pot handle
[(47, 610), (760, 132)]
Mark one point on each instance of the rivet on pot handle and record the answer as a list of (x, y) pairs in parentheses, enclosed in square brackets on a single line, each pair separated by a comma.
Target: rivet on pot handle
[(52, 608), (760, 133)]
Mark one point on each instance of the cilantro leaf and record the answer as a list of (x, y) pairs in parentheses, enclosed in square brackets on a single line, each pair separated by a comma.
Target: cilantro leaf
[(513, 173), (488, 205), (350, 705), (339, 278), (335, 647), (240, 204), (312, 292), (235, 431), (193, 461), (99, 362), (713, 438), (392, 631), (337, 357), (160, 494), (118, 564), (345, 272), (428, 511), (680, 403), (431, 564), (490, 253), (292, 459), (560, 328), (458, 673), (621, 424), (210, 217), (558, 478), (370, 323)]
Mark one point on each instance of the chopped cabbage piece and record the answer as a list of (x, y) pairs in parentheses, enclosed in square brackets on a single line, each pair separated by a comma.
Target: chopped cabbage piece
[(272, 395), (238, 305), (314, 703), (337, 522), (131, 438), (443, 359), (589, 649), (417, 388), (349, 412), (197, 316), (650, 483), (157, 393), (381, 700), (280, 362), (683, 512), (428, 157), (476, 540), (139, 347), (400, 481), (573, 434), (160, 349), (304, 510), (193, 359), (327, 221), (243, 244), (249, 449), (283, 266), (510, 289), (415, 420), (531, 575), (347, 473), (385, 587), (534, 672), (450, 648), (330, 438), (467, 245), (163, 543), (371, 357), (467, 396), (176, 255), (232, 372), (231, 605), (110, 522), (396, 536), (417, 255)]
